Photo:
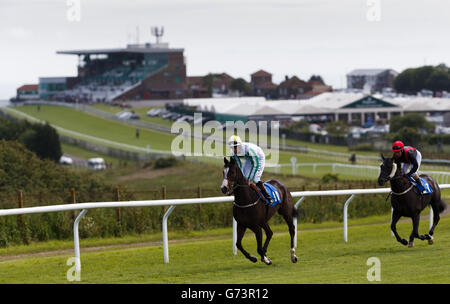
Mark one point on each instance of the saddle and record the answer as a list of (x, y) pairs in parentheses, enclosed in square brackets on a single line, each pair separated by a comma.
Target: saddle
[(424, 189), (273, 193)]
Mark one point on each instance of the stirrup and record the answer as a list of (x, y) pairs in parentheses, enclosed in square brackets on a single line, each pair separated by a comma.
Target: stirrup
[(421, 190), (269, 199)]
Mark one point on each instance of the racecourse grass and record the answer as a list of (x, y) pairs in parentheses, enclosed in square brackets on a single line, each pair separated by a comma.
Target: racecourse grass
[(323, 258), (81, 122), (125, 134)]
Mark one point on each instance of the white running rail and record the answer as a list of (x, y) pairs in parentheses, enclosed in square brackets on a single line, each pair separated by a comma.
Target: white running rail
[(84, 207), (353, 170)]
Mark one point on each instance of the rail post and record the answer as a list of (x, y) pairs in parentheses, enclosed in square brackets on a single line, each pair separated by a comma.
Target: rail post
[(345, 216), (76, 241), (294, 166), (164, 232)]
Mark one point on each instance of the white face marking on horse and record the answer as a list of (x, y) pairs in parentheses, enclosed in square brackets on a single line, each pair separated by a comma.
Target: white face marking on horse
[(225, 180), (394, 169)]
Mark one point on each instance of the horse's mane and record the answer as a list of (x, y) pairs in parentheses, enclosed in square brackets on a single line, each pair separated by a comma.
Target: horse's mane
[(240, 175)]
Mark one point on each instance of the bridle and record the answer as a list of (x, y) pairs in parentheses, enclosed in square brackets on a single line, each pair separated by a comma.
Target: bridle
[(235, 185), (392, 177)]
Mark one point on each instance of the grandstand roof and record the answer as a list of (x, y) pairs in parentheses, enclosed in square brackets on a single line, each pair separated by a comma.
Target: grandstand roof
[(368, 72), (333, 100), (131, 48), (325, 103), (28, 87), (421, 104)]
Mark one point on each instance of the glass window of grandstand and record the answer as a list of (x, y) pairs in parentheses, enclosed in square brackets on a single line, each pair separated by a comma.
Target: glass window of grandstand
[(356, 119), (120, 68), (343, 117), (382, 115), (369, 117)]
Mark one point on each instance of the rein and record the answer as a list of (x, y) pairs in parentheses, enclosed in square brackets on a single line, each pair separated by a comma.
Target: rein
[(392, 177), (246, 206), (400, 193), (235, 186)]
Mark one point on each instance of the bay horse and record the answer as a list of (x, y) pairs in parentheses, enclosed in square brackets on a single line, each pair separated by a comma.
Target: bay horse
[(250, 211), (405, 201)]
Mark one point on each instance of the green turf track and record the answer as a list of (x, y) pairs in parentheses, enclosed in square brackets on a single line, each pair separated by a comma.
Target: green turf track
[(122, 135), (83, 123), (323, 258)]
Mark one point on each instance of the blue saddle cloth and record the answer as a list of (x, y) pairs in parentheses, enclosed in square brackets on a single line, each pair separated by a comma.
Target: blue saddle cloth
[(425, 189), (273, 193)]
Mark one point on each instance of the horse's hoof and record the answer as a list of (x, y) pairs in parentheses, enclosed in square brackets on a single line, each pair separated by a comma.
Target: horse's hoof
[(294, 259), (431, 241), (253, 259), (404, 242), (410, 245), (267, 261)]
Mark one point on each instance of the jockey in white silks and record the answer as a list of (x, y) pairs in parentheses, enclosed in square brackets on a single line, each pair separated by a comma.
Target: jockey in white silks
[(252, 163)]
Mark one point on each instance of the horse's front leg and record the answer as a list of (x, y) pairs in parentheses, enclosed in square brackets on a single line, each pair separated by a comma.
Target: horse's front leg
[(269, 234), (395, 217), (415, 232), (258, 234), (240, 234)]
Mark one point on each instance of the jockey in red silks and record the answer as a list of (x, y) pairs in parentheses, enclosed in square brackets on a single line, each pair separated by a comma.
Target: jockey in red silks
[(411, 159)]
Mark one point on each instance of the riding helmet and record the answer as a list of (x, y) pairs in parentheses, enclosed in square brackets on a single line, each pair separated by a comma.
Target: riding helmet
[(397, 146), (234, 141)]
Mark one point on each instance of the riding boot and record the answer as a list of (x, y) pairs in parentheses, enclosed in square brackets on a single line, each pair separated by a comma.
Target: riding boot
[(419, 184), (264, 192)]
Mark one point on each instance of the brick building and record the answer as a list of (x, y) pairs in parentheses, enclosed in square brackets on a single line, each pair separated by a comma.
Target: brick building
[(27, 92), (262, 85)]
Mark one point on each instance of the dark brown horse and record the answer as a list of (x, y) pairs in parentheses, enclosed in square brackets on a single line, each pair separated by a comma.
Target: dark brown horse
[(250, 211), (407, 202)]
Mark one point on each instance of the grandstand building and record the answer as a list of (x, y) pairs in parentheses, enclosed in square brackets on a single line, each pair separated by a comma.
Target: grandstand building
[(352, 108), (373, 80), (27, 92), (139, 71)]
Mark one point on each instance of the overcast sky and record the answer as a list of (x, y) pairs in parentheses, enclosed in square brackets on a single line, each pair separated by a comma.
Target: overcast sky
[(239, 37)]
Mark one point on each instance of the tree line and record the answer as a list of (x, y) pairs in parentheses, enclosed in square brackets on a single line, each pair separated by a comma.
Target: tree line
[(433, 78), (41, 139)]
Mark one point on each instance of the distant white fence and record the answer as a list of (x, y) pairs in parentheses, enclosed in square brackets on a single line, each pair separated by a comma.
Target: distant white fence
[(284, 147), (84, 207), (352, 170)]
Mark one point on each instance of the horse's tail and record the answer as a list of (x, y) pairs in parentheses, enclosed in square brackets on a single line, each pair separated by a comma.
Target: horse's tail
[(294, 212), (441, 206), (289, 198)]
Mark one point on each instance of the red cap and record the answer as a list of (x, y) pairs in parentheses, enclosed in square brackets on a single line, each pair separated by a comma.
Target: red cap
[(397, 146)]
